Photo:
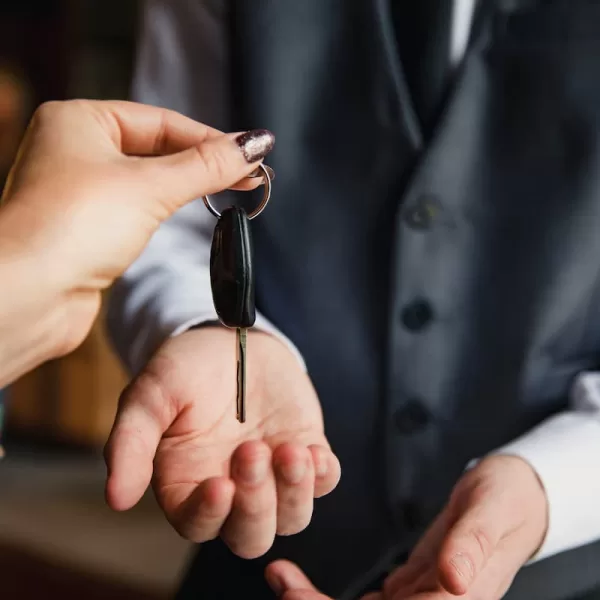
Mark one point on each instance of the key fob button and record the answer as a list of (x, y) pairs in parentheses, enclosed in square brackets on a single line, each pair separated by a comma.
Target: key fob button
[(231, 269)]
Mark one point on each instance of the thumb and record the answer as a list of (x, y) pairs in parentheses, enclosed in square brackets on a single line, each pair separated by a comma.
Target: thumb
[(212, 166), (289, 582), (141, 419), (486, 517)]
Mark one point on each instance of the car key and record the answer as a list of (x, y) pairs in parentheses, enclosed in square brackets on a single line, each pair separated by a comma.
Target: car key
[(232, 278), (232, 283)]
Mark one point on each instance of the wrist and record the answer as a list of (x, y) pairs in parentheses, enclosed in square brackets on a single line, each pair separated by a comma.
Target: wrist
[(264, 344), (532, 497), (262, 328), (33, 325)]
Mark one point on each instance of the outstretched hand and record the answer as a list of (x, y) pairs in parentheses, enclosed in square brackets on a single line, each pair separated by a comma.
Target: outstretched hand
[(494, 522), (213, 476)]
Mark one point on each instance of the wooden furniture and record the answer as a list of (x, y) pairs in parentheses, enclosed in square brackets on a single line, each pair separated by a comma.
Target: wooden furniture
[(71, 400)]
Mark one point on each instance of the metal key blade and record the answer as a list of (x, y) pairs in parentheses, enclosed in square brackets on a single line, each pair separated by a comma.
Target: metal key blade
[(241, 337)]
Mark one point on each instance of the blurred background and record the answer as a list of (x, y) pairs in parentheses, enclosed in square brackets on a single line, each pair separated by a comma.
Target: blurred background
[(57, 537)]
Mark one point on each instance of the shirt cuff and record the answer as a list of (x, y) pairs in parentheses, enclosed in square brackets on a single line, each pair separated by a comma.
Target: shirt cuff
[(564, 451), (262, 324)]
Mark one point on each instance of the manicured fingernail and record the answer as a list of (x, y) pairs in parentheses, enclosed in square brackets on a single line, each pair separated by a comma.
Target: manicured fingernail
[(255, 472), (259, 173), (463, 567), (255, 144), (294, 473)]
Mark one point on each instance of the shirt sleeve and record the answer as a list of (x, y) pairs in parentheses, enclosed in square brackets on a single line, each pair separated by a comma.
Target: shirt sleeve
[(565, 453), (182, 64)]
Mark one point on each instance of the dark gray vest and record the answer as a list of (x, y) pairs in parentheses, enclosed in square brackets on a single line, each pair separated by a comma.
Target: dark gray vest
[(442, 284)]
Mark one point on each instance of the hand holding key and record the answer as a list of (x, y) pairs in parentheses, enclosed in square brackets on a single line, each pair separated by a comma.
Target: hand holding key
[(211, 475), (91, 184)]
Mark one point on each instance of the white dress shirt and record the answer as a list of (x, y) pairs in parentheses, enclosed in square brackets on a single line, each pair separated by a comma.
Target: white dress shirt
[(183, 55)]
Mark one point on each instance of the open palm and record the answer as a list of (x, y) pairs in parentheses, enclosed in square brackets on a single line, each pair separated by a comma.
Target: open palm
[(213, 476)]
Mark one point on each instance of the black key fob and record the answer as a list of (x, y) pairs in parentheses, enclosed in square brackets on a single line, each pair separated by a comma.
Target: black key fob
[(232, 269)]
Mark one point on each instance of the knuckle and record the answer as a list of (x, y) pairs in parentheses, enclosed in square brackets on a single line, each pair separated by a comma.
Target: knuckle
[(53, 109), (213, 160), (294, 503), (482, 541), (256, 511), (161, 139)]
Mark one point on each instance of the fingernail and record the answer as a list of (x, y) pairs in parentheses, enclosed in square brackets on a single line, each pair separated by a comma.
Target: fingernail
[(255, 144), (277, 586), (260, 173), (255, 472), (294, 473), (463, 566)]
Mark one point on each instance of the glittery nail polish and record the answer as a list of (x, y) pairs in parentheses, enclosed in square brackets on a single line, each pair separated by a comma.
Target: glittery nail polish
[(255, 144)]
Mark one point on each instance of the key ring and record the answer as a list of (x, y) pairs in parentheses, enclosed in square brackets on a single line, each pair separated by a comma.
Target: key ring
[(262, 205)]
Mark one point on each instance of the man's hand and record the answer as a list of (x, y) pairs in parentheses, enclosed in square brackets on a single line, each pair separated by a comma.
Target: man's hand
[(212, 475), (290, 583), (494, 522)]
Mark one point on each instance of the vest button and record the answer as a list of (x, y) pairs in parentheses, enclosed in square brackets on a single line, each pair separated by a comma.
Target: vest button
[(422, 213), (412, 417), (417, 315)]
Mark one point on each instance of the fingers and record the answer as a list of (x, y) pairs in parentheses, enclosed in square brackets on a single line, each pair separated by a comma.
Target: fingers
[(403, 577), (471, 542), (289, 582), (200, 517), (304, 595), (216, 164), (177, 159), (255, 179), (500, 570), (327, 470), (142, 418), (191, 159), (274, 493), (250, 529), (295, 478), (419, 573), (142, 130)]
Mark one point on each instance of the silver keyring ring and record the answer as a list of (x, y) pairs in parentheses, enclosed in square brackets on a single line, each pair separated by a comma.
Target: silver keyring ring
[(262, 205)]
